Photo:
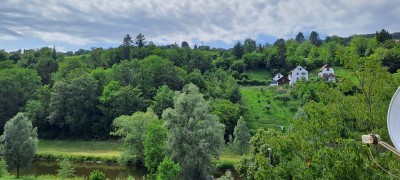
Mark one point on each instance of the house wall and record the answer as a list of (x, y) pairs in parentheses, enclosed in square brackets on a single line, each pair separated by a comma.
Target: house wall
[(277, 77), (325, 71), (297, 74)]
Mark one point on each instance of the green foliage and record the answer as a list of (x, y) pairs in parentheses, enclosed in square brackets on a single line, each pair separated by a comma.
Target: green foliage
[(221, 85), (154, 145), (17, 86), (167, 170), (133, 130), (249, 46), (163, 100), (97, 175), (19, 142), (238, 50), (242, 137), (300, 37), (66, 170), (73, 104), (314, 38), (228, 114), (3, 168), (382, 36), (195, 136), (116, 100), (227, 176)]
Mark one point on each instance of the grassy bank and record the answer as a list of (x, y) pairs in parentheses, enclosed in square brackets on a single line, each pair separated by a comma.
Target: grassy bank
[(105, 151)]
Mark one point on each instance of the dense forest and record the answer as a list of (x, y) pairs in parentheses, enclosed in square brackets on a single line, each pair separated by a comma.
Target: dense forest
[(159, 99)]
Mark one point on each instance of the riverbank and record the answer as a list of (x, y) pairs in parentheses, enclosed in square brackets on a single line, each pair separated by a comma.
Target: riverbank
[(105, 152)]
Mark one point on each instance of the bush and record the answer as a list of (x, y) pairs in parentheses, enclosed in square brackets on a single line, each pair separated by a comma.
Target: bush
[(66, 170), (97, 175), (3, 168)]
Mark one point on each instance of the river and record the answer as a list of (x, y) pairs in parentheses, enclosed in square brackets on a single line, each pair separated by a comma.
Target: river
[(112, 171)]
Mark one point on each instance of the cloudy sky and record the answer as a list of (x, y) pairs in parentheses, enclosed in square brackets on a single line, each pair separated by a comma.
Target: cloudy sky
[(74, 24)]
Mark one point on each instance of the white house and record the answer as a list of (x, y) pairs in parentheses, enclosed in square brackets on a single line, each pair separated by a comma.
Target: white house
[(277, 77), (327, 73), (297, 74)]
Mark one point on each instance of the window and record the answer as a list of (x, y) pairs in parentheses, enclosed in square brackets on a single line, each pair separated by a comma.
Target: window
[(303, 73), (300, 69), (297, 73)]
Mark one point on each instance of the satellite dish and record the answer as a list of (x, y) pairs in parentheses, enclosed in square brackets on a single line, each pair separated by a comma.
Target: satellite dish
[(393, 119)]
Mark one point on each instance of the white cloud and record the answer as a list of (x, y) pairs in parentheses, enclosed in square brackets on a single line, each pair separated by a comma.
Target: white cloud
[(78, 22)]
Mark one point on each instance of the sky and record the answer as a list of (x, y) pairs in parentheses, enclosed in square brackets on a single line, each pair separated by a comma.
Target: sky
[(70, 25)]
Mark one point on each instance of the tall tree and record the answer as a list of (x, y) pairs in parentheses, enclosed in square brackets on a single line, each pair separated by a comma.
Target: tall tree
[(17, 86), (73, 104), (314, 38), (238, 50), (163, 100), (185, 44), (242, 137), (195, 136), (154, 145), (249, 46), (19, 142), (133, 130), (382, 36), (300, 37), (126, 45), (140, 40)]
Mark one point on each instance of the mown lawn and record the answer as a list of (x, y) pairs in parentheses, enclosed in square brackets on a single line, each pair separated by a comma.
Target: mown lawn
[(256, 98)]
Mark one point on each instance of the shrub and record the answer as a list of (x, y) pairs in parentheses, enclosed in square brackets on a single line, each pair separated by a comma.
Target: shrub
[(3, 168), (66, 170), (97, 175)]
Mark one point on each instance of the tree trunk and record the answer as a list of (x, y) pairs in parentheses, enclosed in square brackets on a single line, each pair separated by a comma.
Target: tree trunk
[(18, 171)]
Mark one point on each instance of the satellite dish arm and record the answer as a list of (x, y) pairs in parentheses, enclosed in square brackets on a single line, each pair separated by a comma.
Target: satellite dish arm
[(375, 139)]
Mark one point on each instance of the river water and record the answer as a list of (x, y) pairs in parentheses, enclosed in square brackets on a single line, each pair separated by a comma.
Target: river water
[(112, 171)]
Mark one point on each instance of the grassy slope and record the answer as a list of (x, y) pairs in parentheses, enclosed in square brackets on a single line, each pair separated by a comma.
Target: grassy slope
[(260, 75), (279, 114)]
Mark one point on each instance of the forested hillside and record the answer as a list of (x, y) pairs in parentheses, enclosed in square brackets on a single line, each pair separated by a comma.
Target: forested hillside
[(154, 95)]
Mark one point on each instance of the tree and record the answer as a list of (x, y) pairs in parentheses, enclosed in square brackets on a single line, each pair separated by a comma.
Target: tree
[(140, 40), (314, 38), (163, 100), (249, 46), (167, 170), (238, 50), (228, 114), (300, 37), (242, 137), (154, 145), (17, 86), (3, 55), (19, 142), (126, 45), (195, 136), (66, 170), (45, 68), (73, 105), (133, 130), (382, 36), (117, 100), (185, 44)]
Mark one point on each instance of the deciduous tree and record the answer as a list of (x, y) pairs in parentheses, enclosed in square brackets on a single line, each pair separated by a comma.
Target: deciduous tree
[(195, 136), (19, 142)]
